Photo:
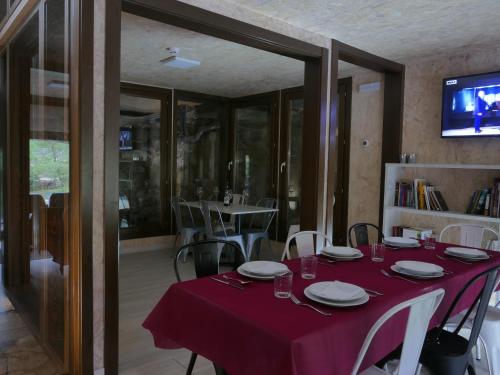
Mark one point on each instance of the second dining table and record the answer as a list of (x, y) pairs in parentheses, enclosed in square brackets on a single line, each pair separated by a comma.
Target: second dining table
[(250, 331), (235, 209)]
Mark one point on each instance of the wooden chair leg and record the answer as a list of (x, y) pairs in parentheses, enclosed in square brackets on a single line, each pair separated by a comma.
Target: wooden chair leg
[(191, 363)]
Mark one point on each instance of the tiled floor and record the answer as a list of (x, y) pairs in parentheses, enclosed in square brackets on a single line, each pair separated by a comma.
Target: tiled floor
[(144, 277), (20, 353)]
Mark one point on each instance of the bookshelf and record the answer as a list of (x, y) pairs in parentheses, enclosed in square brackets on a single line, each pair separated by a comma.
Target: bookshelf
[(457, 182)]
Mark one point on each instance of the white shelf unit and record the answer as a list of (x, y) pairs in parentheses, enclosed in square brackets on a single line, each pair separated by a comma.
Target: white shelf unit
[(395, 172)]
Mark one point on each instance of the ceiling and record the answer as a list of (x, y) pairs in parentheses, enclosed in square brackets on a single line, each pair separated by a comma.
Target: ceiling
[(394, 29), (227, 69)]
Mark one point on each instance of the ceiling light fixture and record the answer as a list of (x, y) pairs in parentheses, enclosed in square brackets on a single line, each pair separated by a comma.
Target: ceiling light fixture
[(177, 62)]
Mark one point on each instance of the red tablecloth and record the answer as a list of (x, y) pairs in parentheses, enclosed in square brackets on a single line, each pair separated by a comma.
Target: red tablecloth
[(252, 332)]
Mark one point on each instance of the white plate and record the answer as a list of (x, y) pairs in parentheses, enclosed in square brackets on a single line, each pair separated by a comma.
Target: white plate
[(466, 258), (358, 302), (464, 252), (409, 274), (253, 276), (341, 251), (419, 268), (264, 268), (336, 291), (343, 258), (401, 242)]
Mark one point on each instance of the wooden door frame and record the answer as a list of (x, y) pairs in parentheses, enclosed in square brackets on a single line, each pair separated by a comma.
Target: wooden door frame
[(392, 115), (340, 217), (165, 97), (80, 66), (196, 19)]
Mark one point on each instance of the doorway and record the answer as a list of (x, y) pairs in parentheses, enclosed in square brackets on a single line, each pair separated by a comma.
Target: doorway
[(243, 162)]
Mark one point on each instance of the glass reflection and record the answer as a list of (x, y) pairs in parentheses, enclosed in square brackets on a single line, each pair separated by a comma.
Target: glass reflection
[(295, 122), (254, 151), (140, 166), (201, 133)]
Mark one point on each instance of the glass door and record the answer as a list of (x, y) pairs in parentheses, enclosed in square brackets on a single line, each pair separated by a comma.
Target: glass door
[(3, 135), (255, 123), (291, 159), (39, 177), (201, 139), (143, 142)]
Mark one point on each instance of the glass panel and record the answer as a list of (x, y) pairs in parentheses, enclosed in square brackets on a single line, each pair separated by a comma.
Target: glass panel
[(295, 121), (3, 135), (41, 74), (201, 127), (254, 151), (3, 9), (140, 166)]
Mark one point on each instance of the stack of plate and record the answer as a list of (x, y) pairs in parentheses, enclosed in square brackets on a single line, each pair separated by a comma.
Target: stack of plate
[(418, 270), (262, 270), (466, 253), (341, 252), (401, 242), (336, 293)]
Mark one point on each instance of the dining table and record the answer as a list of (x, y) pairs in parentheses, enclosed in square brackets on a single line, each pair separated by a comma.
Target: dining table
[(250, 331), (235, 210)]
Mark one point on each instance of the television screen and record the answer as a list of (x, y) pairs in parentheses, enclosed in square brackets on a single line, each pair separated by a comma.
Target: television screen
[(126, 139), (471, 106)]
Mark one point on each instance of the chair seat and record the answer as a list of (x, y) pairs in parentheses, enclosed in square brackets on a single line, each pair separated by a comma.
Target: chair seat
[(374, 370)]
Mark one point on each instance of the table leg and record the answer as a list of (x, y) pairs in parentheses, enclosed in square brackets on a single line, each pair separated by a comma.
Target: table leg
[(238, 223)]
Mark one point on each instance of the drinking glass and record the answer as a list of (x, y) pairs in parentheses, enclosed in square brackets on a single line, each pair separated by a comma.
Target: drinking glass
[(308, 267), (430, 242), (378, 252), (283, 285)]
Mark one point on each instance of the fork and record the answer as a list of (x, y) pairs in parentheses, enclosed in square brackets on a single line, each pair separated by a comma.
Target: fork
[(398, 277), (455, 259), (299, 303), (242, 282)]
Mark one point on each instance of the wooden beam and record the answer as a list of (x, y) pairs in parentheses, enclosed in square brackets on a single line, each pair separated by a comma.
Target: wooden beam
[(17, 17), (365, 59), (203, 21)]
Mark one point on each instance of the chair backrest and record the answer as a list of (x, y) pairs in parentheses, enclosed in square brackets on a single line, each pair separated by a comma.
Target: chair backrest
[(263, 220), (305, 241), (58, 200), (359, 233), (207, 218), (421, 310), (483, 299), (178, 204), (472, 235), (206, 255)]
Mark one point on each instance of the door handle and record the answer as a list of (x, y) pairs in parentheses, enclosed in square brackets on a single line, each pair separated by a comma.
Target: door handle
[(282, 166)]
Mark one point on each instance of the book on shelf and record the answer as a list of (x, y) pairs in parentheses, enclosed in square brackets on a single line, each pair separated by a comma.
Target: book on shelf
[(486, 202), (420, 195)]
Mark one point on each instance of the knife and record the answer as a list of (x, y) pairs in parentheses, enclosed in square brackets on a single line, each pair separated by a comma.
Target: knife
[(228, 283)]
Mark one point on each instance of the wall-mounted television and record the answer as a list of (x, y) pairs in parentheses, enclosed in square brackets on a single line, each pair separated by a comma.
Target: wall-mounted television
[(471, 106), (126, 139)]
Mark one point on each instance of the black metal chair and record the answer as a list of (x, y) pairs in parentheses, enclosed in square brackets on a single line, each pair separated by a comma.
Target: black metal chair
[(361, 234), (206, 255), (448, 353)]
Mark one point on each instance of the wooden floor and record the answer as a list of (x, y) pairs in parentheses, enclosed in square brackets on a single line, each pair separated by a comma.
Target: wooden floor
[(144, 278), (20, 353)]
